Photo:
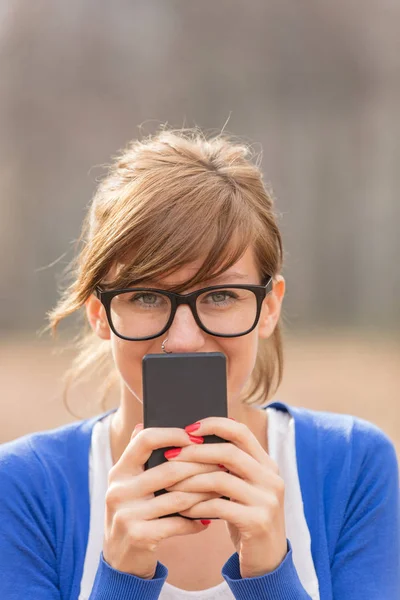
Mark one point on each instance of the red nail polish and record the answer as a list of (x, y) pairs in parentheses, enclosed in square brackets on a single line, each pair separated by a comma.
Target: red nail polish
[(193, 427), (205, 521), (173, 453), (222, 466), (197, 439), (137, 428)]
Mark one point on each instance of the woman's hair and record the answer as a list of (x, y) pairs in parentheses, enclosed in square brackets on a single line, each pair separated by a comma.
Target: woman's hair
[(166, 201)]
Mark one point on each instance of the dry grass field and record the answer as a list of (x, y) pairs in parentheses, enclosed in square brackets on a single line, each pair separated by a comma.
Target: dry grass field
[(339, 372)]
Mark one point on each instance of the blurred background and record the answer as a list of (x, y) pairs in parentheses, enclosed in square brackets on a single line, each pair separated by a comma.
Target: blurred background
[(315, 85)]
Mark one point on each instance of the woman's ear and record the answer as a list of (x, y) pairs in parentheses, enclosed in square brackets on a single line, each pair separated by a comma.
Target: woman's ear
[(271, 308), (97, 317)]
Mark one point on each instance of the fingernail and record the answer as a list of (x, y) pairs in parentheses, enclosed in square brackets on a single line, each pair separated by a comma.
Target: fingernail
[(172, 453), (232, 419), (205, 521), (137, 428), (222, 466), (197, 439), (193, 427)]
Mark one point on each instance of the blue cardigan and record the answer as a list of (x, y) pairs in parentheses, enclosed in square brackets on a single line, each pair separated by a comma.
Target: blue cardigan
[(349, 479)]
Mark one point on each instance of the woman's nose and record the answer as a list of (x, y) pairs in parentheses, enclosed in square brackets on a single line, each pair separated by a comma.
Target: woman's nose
[(185, 335)]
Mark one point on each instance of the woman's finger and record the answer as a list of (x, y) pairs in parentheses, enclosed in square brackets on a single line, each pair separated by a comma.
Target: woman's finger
[(239, 515), (162, 505), (223, 484), (236, 433), (233, 458), (142, 444), (157, 478)]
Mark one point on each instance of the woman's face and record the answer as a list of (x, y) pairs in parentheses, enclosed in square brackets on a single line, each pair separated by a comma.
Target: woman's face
[(184, 335)]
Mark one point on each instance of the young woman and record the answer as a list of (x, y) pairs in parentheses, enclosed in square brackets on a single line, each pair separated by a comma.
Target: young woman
[(313, 497)]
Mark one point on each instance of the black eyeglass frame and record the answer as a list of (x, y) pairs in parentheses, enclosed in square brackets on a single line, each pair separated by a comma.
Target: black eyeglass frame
[(260, 291)]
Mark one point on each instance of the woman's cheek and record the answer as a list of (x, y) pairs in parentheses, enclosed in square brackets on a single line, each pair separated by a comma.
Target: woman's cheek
[(241, 359), (128, 361)]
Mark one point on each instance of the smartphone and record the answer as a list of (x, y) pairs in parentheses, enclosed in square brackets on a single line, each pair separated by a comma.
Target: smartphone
[(180, 389)]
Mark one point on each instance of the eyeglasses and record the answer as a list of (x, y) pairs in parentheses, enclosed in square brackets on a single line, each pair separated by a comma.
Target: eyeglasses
[(138, 314)]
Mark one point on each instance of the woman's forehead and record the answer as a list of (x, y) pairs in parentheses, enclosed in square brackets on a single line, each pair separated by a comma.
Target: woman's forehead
[(243, 270)]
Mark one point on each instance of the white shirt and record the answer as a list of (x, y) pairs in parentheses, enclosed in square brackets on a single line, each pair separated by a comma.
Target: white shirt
[(281, 448)]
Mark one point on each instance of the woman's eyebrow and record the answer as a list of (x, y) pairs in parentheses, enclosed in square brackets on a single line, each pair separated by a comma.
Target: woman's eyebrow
[(223, 278), (230, 276)]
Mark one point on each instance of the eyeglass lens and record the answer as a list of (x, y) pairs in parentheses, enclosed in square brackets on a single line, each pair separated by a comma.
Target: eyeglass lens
[(145, 313)]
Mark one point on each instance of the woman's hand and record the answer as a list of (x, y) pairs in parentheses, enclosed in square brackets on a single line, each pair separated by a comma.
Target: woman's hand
[(133, 528), (255, 512)]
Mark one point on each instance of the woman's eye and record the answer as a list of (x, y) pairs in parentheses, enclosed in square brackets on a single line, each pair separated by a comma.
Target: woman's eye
[(145, 298), (221, 297), (149, 298)]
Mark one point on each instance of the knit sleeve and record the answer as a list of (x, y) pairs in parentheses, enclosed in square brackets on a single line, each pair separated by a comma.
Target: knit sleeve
[(28, 563), (110, 583), (281, 584), (366, 561)]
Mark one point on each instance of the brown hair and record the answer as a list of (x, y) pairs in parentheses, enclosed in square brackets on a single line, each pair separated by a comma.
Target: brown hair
[(165, 201)]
